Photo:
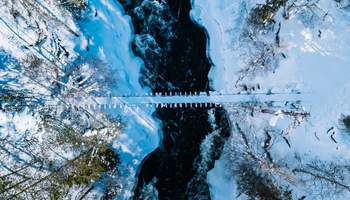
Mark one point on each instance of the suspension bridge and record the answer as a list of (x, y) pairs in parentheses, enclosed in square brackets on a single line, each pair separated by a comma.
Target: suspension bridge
[(183, 100), (160, 100)]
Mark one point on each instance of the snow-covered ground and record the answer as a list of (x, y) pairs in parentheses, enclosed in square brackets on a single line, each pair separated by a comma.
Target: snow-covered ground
[(108, 34), (308, 53), (315, 44), (105, 34)]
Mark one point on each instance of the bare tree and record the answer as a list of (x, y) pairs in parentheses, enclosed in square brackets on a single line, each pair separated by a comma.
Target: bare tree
[(325, 178), (67, 151), (68, 156)]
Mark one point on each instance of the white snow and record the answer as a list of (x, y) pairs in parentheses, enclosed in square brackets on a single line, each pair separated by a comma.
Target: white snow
[(221, 183), (109, 35), (315, 65)]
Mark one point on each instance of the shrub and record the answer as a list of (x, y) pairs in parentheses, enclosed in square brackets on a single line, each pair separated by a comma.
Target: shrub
[(345, 122), (74, 6)]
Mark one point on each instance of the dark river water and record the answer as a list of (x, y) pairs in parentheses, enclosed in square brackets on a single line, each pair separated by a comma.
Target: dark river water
[(173, 49)]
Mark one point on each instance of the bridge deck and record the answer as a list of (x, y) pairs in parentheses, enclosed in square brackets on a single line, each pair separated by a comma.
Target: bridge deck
[(202, 99)]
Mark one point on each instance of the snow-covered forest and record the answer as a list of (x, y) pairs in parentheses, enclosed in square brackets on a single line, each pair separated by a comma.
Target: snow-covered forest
[(281, 150), (56, 55)]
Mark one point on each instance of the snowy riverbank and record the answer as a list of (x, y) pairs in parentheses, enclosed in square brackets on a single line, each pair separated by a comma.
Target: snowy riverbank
[(103, 35), (108, 34), (315, 43)]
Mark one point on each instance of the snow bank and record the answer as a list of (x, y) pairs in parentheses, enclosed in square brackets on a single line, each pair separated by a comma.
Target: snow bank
[(107, 34), (317, 62)]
